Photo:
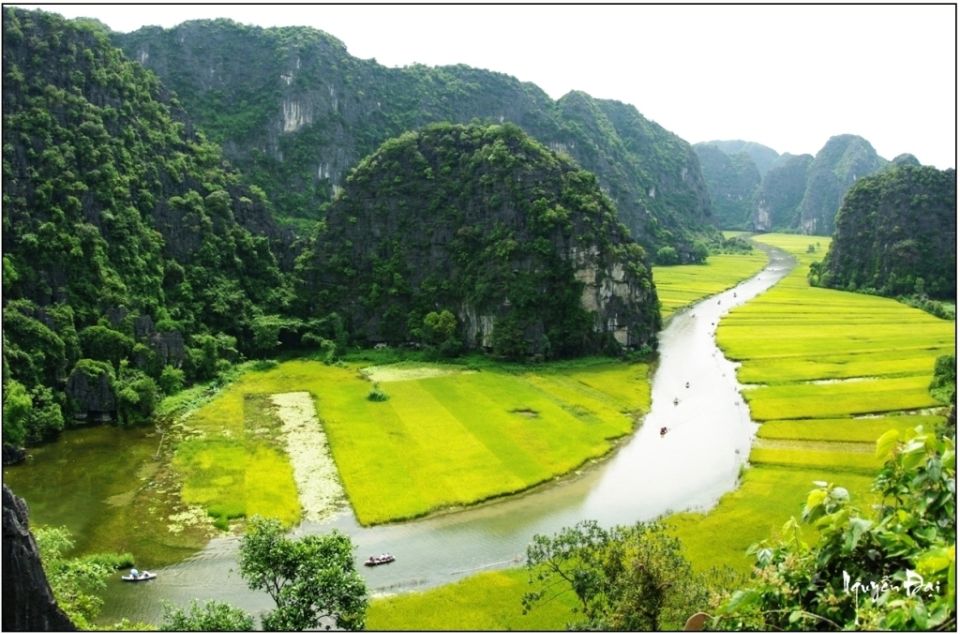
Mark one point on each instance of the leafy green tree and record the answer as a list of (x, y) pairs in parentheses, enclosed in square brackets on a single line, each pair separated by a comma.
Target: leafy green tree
[(137, 396), (312, 580), (17, 408), (509, 341), (626, 578), (893, 569), (105, 344), (46, 417), (944, 383), (170, 380), (211, 616), (266, 331), (667, 256), (440, 332), (75, 582)]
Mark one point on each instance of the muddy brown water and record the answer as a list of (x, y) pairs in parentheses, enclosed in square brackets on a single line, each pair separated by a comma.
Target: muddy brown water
[(708, 438)]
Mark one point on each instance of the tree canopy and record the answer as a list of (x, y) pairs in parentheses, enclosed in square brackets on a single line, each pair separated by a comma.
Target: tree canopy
[(312, 580)]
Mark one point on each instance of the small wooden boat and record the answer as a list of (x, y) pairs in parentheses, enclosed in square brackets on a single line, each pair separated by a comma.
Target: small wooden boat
[(146, 575), (379, 560)]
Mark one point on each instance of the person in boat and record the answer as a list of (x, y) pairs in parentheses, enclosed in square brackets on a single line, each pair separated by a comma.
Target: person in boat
[(688, 383), (134, 573), (663, 431)]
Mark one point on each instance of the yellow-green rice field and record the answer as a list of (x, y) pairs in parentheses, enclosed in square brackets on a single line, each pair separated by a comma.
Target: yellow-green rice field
[(820, 362), (682, 285), (444, 438)]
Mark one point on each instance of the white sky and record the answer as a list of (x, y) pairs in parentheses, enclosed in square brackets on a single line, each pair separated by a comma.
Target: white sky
[(785, 76)]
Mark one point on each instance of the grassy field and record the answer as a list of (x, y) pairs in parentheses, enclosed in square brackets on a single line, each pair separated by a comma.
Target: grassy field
[(487, 601), (680, 286), (446, 436)]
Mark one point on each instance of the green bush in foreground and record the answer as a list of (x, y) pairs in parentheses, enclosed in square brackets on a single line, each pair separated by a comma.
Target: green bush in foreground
[(310, 579), (893, 569), (626, 578), (212, 616), (76, 582)]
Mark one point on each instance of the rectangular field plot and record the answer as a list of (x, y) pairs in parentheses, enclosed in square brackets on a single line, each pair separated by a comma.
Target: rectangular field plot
[(457, 439), (865, 430), (831, 400), (889, 363)]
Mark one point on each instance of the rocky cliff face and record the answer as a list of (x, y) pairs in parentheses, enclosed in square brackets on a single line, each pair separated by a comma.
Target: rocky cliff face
[(834, 170), (482, 221), (296, 112), (794, 193), (779, 196), (112, 198), (28, 603)]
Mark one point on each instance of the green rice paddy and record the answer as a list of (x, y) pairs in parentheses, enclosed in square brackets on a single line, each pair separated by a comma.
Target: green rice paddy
[(682, 285), (442, 439)]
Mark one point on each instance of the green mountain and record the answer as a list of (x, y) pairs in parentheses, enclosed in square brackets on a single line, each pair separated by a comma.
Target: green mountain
[(732, 183), (515, 244), (896, 234), (295, 112), (762, 156), (793, 193), (781, 192), (835, 169), (128, 245)]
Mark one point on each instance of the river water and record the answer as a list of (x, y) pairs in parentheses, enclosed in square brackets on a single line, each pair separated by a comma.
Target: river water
[(708, 438)]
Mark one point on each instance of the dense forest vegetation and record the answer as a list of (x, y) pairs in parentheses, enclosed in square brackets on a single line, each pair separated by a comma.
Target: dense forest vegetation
[(136, 260), (478, 236), (295, 112), (896, 235), (133, 258)]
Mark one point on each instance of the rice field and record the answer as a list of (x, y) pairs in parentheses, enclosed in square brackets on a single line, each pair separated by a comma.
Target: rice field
[(817, 361), (682, 285), (445, 437)]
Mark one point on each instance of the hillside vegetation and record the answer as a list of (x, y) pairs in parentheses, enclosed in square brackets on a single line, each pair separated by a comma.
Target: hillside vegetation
[(128, 245), (513, 242), (896, 235), (296, 112), (751, 187)]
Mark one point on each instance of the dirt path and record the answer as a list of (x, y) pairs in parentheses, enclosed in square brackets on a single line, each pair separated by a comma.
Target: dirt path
[(318, 482)]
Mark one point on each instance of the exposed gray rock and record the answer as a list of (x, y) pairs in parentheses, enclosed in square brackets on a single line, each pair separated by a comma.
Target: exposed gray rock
[(91, 393), (143, 327), (28, 603), (13, 455), (170, 347)]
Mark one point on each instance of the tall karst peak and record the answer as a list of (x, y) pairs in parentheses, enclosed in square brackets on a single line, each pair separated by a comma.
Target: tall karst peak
[(513, 239)]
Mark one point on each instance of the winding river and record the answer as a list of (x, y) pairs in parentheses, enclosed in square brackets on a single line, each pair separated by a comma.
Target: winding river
[(690, 467)]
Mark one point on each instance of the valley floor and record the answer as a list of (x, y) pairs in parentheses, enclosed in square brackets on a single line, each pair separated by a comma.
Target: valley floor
[(825, 372), (828, 372)]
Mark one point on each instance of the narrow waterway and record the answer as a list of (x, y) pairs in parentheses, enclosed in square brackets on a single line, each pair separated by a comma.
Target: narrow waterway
[(695, 396)]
